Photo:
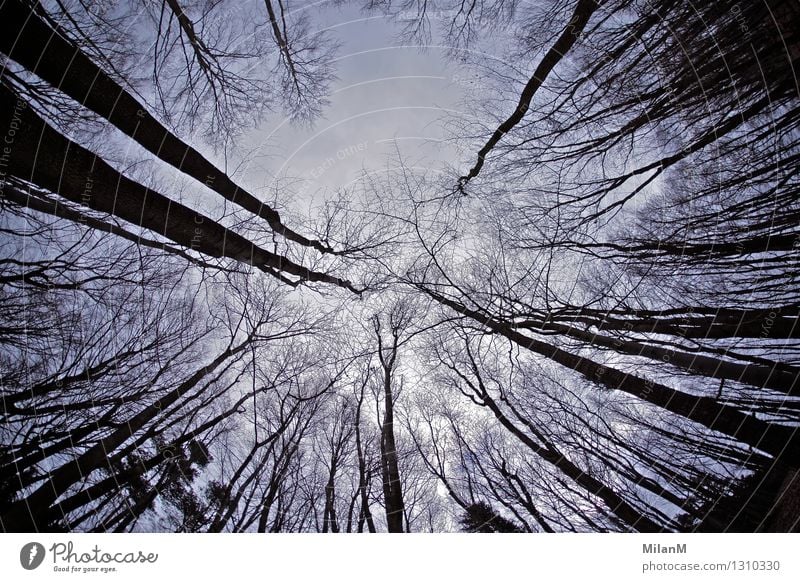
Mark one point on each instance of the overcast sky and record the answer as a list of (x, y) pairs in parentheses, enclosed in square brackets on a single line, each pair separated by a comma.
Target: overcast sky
[(388, 94)]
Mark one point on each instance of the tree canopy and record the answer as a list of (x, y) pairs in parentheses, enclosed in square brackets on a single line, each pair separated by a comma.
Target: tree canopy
[(586, 320)]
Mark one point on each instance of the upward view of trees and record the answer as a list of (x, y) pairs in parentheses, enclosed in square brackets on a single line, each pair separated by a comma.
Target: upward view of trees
[(591, 322)]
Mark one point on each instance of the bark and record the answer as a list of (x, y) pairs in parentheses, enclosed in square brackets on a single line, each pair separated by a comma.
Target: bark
[(780, 441), (113, 483), (776, 375), (392, 489), (32, 43), (30, 513), (329, 519), (692, 322), (628, 514), (578, 21), (43, 156), (363, 476)]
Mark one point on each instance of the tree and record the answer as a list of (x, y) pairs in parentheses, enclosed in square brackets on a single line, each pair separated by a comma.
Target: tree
[(481, 518), (388, 350), (90, 181), (592, 326)]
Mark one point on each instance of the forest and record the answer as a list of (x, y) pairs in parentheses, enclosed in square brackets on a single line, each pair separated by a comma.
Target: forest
[(585, 318)]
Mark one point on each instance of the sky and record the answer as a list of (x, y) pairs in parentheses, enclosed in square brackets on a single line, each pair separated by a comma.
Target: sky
[(390, 96)]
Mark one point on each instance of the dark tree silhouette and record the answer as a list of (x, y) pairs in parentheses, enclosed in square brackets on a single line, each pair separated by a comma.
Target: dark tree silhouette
[(594, 327), (481, 518)]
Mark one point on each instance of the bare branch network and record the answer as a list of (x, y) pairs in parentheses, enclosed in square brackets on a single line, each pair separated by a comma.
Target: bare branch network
[(587, 322)]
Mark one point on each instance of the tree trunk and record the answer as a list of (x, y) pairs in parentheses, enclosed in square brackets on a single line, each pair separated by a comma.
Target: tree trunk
[(780, 441)]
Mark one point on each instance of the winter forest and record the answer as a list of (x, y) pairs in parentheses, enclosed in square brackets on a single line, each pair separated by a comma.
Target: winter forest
[(541, 275)]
